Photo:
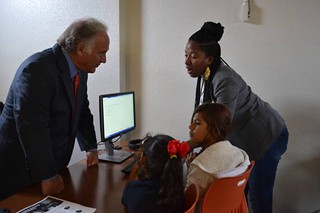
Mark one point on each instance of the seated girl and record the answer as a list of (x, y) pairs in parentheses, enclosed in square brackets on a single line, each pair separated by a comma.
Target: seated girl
[(210, 125), (159, 187)]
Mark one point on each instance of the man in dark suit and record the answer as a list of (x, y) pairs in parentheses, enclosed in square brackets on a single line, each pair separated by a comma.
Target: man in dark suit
[(44, 113)]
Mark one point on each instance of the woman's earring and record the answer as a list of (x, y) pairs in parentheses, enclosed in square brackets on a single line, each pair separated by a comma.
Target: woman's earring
[(207, 73)]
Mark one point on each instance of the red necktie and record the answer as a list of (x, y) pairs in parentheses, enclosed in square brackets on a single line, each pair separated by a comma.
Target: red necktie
[(76, 81)]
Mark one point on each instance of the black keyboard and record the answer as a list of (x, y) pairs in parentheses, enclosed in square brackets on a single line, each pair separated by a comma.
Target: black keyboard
[(127, 169)]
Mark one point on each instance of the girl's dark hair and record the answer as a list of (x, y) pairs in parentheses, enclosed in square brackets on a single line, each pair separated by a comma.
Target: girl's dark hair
[(207, 38), (169, 170), (218, 118)]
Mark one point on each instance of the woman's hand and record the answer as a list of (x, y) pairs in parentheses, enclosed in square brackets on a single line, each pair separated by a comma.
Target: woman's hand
[(190, 158), (52, 186)]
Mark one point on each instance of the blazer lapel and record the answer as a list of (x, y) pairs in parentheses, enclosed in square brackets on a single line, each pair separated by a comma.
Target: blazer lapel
[(65, 73)]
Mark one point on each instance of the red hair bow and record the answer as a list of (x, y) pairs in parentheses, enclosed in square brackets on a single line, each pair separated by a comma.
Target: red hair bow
[(175, 147)]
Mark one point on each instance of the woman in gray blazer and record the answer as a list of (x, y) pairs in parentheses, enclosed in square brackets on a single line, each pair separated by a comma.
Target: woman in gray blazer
[(256, 127)]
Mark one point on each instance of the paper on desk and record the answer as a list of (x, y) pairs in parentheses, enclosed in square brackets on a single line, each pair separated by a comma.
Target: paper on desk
[(56, 205)]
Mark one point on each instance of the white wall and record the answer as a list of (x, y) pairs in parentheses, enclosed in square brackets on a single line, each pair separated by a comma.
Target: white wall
[(29, 26), (277, 54)]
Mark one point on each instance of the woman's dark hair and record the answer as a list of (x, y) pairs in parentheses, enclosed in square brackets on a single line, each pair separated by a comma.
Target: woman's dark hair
[(207, 38), (169, 170), (218, 118), (1, 107)]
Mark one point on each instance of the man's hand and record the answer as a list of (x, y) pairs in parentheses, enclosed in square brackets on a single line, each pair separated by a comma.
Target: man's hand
[(52, 186), (92, 158)]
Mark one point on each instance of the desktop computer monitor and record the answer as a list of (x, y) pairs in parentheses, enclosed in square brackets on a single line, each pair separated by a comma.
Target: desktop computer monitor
[(117, 117)]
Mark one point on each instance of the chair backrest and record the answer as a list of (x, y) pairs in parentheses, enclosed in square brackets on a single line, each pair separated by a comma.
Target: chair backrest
[(227, 194), (191, 197)]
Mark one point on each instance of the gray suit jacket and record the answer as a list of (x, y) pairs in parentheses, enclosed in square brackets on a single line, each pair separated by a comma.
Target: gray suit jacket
[(255, 124), (38, 124)]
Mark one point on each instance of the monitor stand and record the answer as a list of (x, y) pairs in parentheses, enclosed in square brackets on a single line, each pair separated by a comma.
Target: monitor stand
[(114, 155)]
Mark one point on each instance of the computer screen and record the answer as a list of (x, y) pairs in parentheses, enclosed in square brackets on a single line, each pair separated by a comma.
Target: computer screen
[(117, 117)]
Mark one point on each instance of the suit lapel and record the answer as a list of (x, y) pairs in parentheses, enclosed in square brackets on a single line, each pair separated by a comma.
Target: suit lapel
[(64, 73)]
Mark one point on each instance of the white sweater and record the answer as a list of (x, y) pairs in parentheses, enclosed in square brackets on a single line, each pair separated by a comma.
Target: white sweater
[(219, 160)]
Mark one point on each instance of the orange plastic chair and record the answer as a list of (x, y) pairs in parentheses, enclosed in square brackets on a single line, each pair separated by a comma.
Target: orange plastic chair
[(226, 195), (191, 197)]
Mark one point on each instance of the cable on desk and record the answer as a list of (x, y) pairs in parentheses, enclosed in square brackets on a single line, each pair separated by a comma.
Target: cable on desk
[(100, 143)]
